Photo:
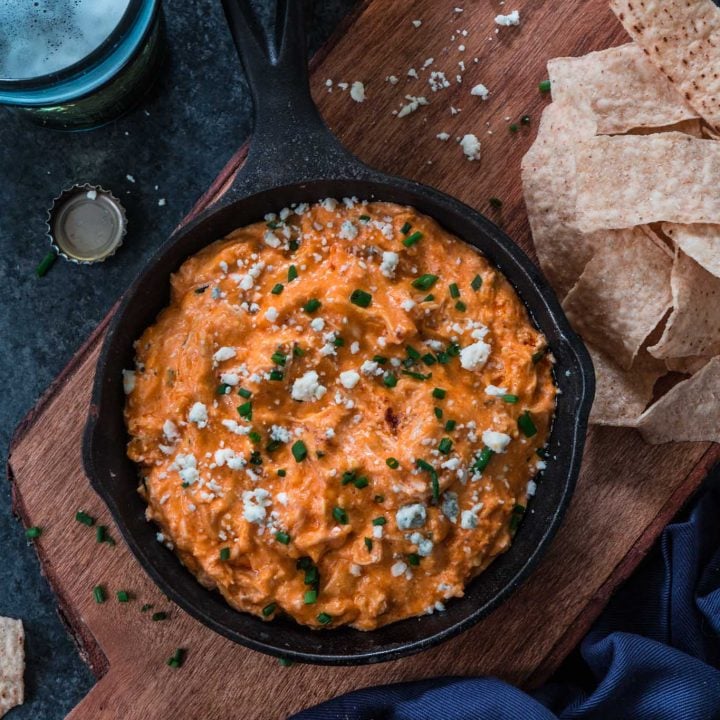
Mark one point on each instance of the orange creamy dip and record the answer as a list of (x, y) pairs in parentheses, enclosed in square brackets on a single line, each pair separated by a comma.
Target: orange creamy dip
[(312, 455)]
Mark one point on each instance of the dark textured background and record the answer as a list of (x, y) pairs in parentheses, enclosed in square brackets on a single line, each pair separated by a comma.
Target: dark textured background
[(179, 139)]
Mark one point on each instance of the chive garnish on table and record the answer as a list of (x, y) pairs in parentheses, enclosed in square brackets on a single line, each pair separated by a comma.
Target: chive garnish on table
[(122, 596), (45, 264), (513, 127), (496, 203), (32, 533), (159, 616), (544, 86), (99, 594), (177, 659), (84, 518)]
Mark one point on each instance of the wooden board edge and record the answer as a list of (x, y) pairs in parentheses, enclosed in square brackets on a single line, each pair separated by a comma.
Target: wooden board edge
[(84, 641), (624, 569)]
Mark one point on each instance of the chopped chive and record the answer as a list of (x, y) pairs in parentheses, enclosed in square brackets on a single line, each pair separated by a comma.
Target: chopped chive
[(242, 392), (255, 457), (424, 464), (483, 459), (84, 518), (45, 264), (364, 218), (276, 375), (429, 359), (445, 446), (272, 446), (393, 463), (390, 380), (525, 119), (201, 290), (428, 298), (450, 425), (544, 86), (303, 563), (285, 662), (361, 482), (292, 273), (176, 661), (380, 359), (32, 533), (369, 544), (312, 575), (410, 240), (513, 128), (311, 306), (99, 594), (298, 351), (460, 306), (405, 229), (438, 413), (379, 521), (278, 358), (512, 399), (340, 515), (361, 298), (224, 554), (282, 472), (222, 389), (146, 607), (293, 245), (100, 534), (299, 450), (526, 424), (439, 393), (347, 477), (282, 537), (413, 559), (324, 619), (539, 355), (443, 358), (435, 484), (158, 616), (424, 282), (255, 436), (339, 341), (454, 290), (416, 375), (245, 410), (412, 352), (497, 203), (516, 517), (268, 610), (476, 283), (379, 498), (123, 596), (310, 597), (453, 349), (277, 289)]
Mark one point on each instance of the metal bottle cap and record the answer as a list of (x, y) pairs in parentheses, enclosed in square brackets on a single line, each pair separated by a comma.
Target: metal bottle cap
[(86, 224)]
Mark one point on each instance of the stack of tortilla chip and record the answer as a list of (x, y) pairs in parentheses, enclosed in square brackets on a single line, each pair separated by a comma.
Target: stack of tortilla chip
[(622, 187), (12, 664)]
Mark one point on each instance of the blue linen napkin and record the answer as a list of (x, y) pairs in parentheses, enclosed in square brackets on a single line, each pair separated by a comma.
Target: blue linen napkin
[(654, 654)]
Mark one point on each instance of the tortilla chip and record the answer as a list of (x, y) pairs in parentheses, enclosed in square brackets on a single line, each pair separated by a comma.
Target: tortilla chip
[(622, 295), (621, 87), (548, 176), (622, 395), (682, 38), (689, 411), (628, 180), (700, 242), (693, 327), (12, 664), (687, 365), (689, 127)]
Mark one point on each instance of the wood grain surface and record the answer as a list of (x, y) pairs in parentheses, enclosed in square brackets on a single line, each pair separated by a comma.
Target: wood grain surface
[(627, 491)]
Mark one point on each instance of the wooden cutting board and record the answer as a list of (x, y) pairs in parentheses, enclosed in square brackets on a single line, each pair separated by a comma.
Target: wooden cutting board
[(627, 491)]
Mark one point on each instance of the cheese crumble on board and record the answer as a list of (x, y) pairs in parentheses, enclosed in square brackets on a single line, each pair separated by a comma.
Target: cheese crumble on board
[(339, 425)]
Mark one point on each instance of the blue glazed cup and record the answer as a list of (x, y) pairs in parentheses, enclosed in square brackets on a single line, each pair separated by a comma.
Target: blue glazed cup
[(110, 80)]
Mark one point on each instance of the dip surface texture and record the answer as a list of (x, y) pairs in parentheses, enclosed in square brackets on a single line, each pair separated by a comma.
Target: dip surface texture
[(337, 417)]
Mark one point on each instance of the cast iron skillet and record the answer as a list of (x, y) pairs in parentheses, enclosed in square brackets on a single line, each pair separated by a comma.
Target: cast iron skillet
[(294, 158)]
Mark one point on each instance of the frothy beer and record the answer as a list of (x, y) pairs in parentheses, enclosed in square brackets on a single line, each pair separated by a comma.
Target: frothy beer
[(39, 37)]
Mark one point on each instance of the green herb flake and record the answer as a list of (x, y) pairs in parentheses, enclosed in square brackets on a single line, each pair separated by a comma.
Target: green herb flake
[(84, 518), (454, 290), (379, 521), (292, 273), (242, 392), (45, 264), (450, 425), (483, 459), (312, 306), (445, 446), (282, 472), (380, 359), (526, 424), (392, 463), (411, 240), (282, 537), (123, 596), (516, 517), (361, 482), (439, 393), (508, 398), (369, 544), (223, 389), (245, 410), (278, 358), (277, 289), (177, 659), (269, 609), (416, 375), (413, 559), (310, 597), (276, 375), (405, 229), (361, 298), (159, 616), (324, 619), (33, 533), (224, 554), (390, 380), (460, 306), (424, 282), (476, 283), (438, 413), (513, 127), (146, 607), (340, 515), (544, 86), (299, 450), (99, 594)]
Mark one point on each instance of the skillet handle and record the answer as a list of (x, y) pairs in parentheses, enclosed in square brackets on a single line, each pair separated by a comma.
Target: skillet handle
[(290, 142)]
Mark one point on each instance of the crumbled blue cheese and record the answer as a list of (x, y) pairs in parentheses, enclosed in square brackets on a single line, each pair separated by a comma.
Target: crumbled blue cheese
[(227, 456), (389, 263), (170, 431), (443, 136), (398, 568), (450, 506), (128, 378), (512, 18), (370, 367), (271, 314), (317, 324), (474, 357), (470, 146), (235, 427), (349, 379), (348, 231), (198, 414), (224, 353), (417, 23), (186, 465), (280, 433), (496, 441), (355, 348), (408, 304), (495, 391), (229, 378), (329, 204), (254, 504), (469, 518), (308, 387), (411, 516)]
